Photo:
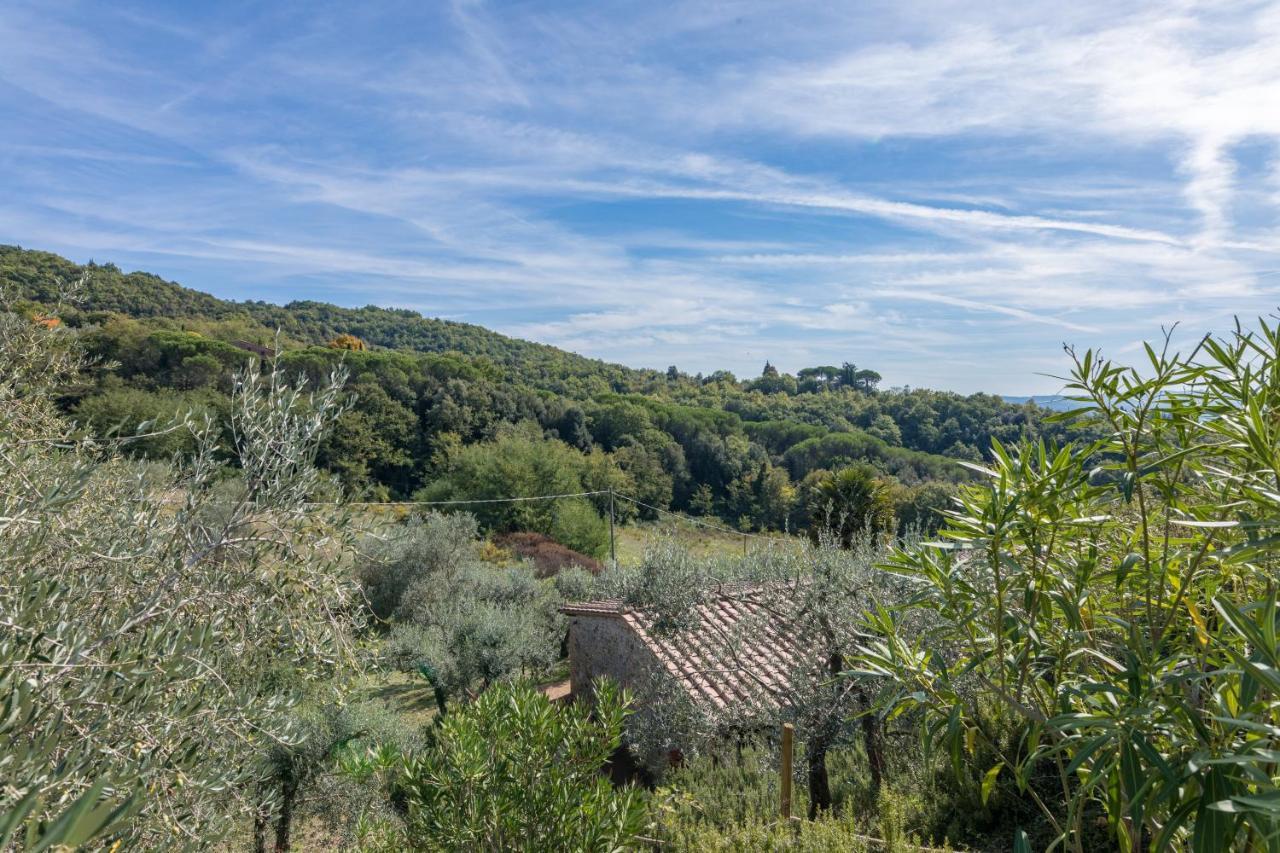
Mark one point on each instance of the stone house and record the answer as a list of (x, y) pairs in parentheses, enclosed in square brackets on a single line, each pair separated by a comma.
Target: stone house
[(735, 653)]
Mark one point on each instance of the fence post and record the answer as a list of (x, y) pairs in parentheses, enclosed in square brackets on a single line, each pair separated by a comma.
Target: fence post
[(613, 551), (788, 747)]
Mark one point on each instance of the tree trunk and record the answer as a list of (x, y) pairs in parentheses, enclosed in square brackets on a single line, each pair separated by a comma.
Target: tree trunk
[(819, 782), (284, 824), (260, 819), (874, 745)]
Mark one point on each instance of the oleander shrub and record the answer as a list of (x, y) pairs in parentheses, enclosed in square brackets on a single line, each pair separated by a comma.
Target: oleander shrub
[(1114, 603)]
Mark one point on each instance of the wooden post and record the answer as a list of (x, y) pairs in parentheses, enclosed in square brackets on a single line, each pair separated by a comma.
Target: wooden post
[(788, 747), (613, 551), (744, 544)]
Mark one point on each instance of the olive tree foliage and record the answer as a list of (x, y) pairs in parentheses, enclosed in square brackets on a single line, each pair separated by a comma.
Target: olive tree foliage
[(818, 593), (1119, 617), (156, 626), (428, 548), (460, 621)]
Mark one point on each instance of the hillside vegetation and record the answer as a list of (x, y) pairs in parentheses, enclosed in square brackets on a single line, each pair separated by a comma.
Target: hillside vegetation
[(453, 411), (193, 654)]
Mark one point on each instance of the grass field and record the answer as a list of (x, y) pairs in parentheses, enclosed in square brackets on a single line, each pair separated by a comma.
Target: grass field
[(632, 539)]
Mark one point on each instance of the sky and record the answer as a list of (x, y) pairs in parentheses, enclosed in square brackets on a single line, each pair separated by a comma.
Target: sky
[(944, 192)]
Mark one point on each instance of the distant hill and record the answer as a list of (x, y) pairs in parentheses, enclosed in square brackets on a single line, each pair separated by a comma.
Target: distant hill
[(1056, 402), (40, 277)]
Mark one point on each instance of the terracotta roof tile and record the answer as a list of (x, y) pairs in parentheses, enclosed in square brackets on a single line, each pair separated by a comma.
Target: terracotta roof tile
[(604, 607), (740, 649)]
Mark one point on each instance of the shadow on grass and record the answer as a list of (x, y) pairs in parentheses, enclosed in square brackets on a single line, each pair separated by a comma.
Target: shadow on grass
[(405, 698)]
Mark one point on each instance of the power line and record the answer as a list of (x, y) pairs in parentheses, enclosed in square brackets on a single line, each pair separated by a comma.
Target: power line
[(699, 522), (524, 498), (468, 501)]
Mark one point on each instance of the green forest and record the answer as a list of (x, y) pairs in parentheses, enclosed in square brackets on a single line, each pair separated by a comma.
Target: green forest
[(449, 411)]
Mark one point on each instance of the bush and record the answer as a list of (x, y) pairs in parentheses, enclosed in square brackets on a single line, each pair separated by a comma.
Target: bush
[(1114, 603), (548, 556), (521, 461), (470, 622), (577, 524), (511, 771), (729, 800), (426, 546)]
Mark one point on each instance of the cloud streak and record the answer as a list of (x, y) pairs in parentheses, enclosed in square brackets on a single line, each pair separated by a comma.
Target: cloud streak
[(941, 196)]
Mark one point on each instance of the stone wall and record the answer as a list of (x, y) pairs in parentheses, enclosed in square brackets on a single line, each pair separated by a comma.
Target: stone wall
[(605, 646)]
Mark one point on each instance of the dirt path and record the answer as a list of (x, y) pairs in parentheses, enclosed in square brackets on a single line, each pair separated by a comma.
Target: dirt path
[(556, 692)]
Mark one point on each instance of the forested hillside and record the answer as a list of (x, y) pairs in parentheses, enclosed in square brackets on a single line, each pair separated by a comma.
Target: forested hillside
[(451, 410)]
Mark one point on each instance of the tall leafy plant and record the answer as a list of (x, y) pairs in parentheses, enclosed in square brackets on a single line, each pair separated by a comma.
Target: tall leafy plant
[(1106, 638), (510, 771)]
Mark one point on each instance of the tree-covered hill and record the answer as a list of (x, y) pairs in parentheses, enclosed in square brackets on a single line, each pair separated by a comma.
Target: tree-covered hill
[(42, 277), (449, 410)]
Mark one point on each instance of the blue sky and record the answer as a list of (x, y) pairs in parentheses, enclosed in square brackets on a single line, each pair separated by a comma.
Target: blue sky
[(945, 192)]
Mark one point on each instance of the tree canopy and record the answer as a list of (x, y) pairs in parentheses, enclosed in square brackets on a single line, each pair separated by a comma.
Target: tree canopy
[(434, 397)]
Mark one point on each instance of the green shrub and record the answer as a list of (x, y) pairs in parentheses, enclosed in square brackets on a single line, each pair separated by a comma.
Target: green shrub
[(1115, 604), (512, 771), (577, 525), (730, 801), (521, 461), (430, 546)]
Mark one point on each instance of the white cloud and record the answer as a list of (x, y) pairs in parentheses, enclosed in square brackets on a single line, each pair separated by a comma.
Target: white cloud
[(1206, 80), (650, 185)]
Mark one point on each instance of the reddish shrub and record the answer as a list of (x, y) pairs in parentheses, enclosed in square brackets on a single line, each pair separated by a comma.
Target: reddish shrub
[(548, 555)]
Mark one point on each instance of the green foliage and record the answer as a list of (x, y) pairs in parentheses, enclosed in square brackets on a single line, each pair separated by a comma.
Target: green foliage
[(471, 622), (512, 771), (839, 449), (156, 626), (520, 461), (1120, 617), (848, 504), (576, 523), (426, 549), (729, 800), (425, 386), (143, 418), (921, 509)]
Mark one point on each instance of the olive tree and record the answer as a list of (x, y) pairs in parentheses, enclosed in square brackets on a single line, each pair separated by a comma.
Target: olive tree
[(460, 621), (816, 594), (156, 626)]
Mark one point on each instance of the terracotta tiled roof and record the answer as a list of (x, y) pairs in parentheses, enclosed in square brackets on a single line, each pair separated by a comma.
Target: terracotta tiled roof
[(603, 607), (738, 650)]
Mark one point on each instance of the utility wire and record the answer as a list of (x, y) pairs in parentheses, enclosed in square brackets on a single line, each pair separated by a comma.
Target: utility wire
[(699, 522), (469, 501), (694, 521)]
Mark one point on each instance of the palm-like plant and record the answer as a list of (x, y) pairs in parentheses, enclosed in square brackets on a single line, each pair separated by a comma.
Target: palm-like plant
[(847, 504)]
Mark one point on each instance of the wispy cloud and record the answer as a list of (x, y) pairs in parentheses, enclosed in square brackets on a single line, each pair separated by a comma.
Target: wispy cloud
[(942, 196)]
